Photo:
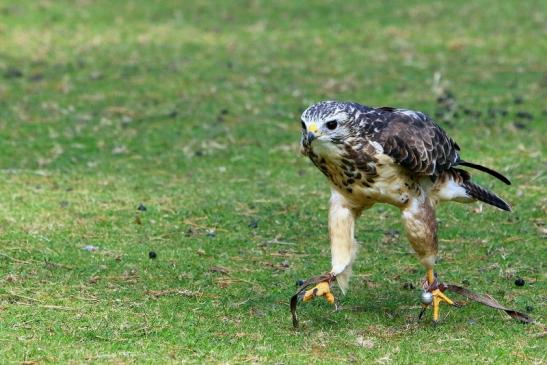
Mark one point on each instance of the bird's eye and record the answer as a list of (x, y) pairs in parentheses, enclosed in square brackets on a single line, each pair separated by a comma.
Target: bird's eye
[(303, 125), (332, 125)]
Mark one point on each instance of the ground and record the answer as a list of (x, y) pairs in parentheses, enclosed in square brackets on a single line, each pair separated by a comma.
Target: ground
[(192, 110)]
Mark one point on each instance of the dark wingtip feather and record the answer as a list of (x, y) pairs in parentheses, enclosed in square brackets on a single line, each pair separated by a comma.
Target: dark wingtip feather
[(485, 169), (484, 195), (505, 206), (496, 201)]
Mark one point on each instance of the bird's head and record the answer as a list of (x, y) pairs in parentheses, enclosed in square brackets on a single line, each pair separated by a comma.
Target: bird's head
[(326, 126)]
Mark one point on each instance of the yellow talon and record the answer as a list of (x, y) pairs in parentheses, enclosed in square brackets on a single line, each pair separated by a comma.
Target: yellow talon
[(438, 297), (320, 290)]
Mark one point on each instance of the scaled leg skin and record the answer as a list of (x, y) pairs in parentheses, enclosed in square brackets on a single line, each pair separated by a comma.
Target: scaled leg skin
[(342, 218), (421, 229)]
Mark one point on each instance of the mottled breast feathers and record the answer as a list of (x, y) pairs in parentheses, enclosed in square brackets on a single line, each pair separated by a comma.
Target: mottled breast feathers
[(412, 139)]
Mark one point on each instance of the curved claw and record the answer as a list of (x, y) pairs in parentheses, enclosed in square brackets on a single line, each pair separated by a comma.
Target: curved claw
[(436, 289), (320, 290), (422, 311), (438, 297)]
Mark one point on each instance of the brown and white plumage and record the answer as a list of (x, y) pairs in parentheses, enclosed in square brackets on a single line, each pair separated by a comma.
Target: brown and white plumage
[(370, 139), (387, 155)]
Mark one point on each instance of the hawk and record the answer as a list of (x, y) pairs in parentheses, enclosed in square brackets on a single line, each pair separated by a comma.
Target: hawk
[(387, 155)]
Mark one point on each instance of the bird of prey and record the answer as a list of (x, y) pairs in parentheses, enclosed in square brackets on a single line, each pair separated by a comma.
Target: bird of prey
[(387, 155)]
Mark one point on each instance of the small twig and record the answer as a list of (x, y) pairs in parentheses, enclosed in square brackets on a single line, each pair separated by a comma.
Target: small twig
[(49, 306), (24, 297), (249, 282), (15, 259), (54, 264), (241, 303), (538, 176), (46, 262), (276, 242)]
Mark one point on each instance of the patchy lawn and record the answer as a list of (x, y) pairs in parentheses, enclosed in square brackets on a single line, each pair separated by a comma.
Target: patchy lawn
[(192, 110)]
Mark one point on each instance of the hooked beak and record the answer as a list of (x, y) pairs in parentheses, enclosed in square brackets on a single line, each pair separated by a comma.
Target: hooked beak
[(313, 132)]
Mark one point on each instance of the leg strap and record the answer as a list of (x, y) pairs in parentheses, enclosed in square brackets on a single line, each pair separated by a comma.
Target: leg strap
[(488, 301), (328, 277)]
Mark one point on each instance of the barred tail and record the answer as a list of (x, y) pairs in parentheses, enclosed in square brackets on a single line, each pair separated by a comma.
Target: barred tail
[(480, 193)]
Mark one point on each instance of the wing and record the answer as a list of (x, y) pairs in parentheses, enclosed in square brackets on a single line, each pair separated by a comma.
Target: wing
[(414, 141)]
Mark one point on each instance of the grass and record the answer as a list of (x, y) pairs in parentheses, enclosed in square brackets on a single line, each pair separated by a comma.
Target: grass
[(192, 109)]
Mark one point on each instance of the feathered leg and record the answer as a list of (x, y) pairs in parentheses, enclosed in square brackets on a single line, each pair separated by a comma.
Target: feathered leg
[(342, 218), (421, 229)]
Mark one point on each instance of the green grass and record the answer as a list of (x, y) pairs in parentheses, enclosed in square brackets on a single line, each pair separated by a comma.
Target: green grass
[(192, 108)]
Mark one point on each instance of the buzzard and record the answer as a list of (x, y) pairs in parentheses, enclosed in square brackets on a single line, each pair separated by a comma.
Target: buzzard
[(387, 155)]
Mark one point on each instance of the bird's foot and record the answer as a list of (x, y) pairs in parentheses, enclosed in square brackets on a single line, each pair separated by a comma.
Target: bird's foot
[(320, 290), (433, 295)]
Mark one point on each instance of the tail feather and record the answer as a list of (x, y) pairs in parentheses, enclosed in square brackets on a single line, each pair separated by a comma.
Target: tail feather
[(485, 169), (480, 193)]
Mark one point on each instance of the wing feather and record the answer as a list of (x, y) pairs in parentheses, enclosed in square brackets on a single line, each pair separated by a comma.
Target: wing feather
[(414, 141)]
